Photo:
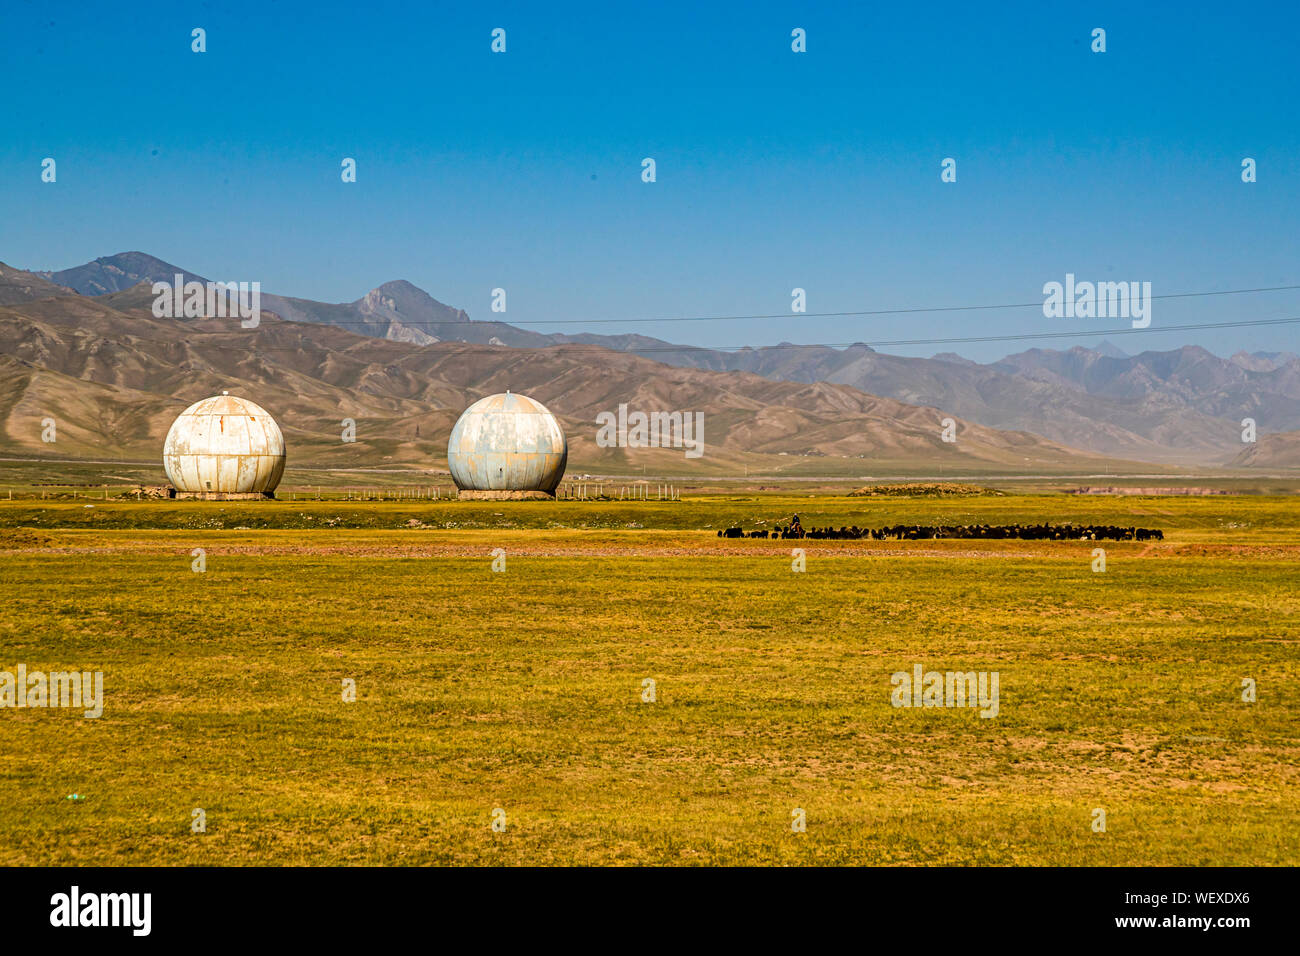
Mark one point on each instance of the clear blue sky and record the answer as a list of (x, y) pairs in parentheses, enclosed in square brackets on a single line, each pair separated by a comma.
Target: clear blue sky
[(775, 169)]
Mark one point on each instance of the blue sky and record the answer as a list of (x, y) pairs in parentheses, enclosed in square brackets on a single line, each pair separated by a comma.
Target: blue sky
[(774, 169)]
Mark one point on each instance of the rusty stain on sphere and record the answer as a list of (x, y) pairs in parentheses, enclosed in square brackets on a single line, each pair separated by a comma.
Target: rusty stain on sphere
[(224, 445), (507, 443)]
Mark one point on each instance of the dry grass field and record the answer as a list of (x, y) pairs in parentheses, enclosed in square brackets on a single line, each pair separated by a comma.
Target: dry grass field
[(524, 690)]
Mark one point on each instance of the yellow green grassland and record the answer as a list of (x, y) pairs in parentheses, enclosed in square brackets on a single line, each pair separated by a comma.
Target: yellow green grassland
[(523, 690)]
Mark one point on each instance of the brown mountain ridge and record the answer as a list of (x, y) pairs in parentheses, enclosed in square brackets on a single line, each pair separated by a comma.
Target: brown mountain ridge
[(1180, 407), (113, 377)]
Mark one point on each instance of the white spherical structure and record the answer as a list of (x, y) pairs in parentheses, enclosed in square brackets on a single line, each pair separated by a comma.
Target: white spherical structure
[(508, 444), (224, 446)]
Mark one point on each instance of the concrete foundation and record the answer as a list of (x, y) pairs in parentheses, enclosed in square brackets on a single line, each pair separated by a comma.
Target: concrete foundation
[(223, 495), (467, 494)]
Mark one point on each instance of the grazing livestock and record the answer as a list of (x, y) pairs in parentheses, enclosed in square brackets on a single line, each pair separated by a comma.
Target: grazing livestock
[(901, 532)]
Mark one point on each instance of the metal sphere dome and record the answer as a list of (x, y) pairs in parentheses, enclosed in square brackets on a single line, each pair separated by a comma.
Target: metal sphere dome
[(224, 445), (507, 443)]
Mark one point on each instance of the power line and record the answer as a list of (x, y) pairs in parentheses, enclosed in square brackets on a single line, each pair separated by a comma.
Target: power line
[(462, 347), (1051, 335), (803, 315)]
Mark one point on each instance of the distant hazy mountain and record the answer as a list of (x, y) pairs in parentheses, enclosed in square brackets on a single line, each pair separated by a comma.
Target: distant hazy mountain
[(1180, 407), (1156, 419), (1263, 361), (395, 310), (1190, 378), (952, 358), (402, 312), (118, 273)]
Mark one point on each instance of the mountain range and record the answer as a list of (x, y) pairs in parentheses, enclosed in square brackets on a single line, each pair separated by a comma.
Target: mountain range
[(404, 359)]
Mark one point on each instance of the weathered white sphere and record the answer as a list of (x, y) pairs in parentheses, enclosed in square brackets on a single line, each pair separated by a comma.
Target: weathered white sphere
[(507, 443), (224, 444)]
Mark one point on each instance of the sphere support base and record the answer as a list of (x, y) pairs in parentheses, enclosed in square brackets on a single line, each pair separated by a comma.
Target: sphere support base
[(468, 494), (223, 495)]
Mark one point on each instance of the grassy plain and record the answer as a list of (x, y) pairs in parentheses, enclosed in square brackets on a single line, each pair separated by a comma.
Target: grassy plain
[(523, 690)]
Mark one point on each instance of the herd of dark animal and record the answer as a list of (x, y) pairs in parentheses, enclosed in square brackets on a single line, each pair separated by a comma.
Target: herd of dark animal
[(912, 532)]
